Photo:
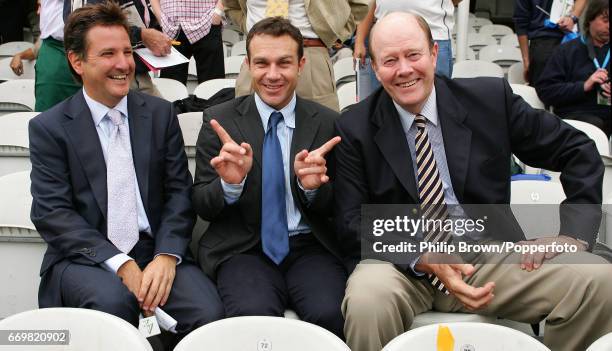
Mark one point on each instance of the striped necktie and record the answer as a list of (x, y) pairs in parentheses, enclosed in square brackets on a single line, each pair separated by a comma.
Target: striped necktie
[(431, 191)]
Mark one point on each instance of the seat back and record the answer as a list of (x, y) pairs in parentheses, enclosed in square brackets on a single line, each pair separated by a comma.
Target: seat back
[(14, 142), (191, 123), (17, 95), (171, 89), (515, 73), (509, 40), (6, 73), (88, 329), (504, 56), (344, 71), (535, 205), (528, 94), (347, 95), (210, 87), (602, 344), (593, 132), (477, 68), (232, 66), (13, 47), (239, 48), (497, 31), (261, 333)]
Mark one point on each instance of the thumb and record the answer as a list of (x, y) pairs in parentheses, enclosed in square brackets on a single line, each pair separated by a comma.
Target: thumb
[(301, 156), (464, 268)]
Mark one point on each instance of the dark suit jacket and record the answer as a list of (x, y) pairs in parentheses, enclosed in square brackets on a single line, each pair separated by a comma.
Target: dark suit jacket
[(236, 228), (483, 124), (69, 193)]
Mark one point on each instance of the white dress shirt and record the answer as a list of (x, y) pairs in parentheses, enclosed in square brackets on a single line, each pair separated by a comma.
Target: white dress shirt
[(256, 11)]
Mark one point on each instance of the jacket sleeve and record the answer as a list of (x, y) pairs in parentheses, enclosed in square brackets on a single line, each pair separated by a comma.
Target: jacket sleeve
[(522, 16), (554, 87)]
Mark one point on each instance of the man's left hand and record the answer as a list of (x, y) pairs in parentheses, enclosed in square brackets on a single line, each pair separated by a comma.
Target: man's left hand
[(531, 262), (157, 281), (566, 24), (156, 41), (310, 167)]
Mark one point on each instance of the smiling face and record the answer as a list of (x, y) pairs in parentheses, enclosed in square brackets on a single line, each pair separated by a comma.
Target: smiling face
[(107, 67), (404, 63), (274, 67)]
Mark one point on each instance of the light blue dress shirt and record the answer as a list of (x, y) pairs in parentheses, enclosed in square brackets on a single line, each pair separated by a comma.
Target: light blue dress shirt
[(295, 222)]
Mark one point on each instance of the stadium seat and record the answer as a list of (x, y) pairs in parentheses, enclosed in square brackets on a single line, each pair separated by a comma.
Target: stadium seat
[(171, 89), (191, 123), (528, 94), (261, 333), (88, 329), (598, 136), (515, 74), (535, 206), (21, 248), (239, 48), (477, 68), (232, 66), (466, 336), (347, 95), (602, 344), (504, 56), (13, 47), (497, 31), (344, 71), (210, 87), (478, 22), (6, 73), (17, 95), (476, 41), (230, 36), (470, 54), (509, 40), (14, 153)]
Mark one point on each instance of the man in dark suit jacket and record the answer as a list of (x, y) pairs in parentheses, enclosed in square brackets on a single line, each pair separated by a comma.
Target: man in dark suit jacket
[(144, 265), (471, 129), (270, 244)]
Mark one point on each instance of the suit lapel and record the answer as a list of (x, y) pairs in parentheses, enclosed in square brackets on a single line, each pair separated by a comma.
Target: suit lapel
[(392, 143), (82, 133), (140, 119), (457, 137), (306, 127), (250, 127)]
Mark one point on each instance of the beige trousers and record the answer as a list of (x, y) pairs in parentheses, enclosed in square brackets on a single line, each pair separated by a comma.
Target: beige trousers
[(143, 83), (316, 82), (575, 299)]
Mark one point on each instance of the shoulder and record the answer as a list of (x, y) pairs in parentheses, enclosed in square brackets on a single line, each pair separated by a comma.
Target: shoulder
[(227, 110), (322, 111)]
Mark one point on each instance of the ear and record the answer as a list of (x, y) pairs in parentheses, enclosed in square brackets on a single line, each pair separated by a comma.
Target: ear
[(76, 62), (375, 68), (434, 53), (301, 64)]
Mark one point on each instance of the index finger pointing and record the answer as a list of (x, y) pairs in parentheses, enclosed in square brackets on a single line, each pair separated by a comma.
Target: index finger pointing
[(328, 146), (221, 133)]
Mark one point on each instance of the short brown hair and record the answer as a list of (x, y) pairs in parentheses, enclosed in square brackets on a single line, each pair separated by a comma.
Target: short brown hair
[(276, 27), (85, 18), (594, 9), (420, 21)]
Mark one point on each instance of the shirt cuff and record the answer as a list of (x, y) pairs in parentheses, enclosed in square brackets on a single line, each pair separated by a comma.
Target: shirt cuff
[(114, 263), (232, 192), (309, 194), (412, 264), (178, 258)]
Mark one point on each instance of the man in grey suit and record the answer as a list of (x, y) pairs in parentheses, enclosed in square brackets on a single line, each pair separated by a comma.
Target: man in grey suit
[(270, 244)]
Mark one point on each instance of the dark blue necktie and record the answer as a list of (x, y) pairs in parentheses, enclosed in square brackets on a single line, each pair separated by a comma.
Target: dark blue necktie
[(274, 232)]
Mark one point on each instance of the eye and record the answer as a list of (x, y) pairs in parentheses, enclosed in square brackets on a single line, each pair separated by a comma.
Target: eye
[(389, 62)]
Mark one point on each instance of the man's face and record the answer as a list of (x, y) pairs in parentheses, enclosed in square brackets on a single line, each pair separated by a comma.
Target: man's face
[(600, 28), (108, 66), (275, 67), (404, 64)]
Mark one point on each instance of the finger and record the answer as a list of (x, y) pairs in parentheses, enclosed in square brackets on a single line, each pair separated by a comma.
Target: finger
[(316, 159), (167, 292), (227, 157), (221, 133), (301, 156), (464, 269), (216, 161), (312, 170), (144, 287), (324, 179), (328, 146), (247, 147), (528, 262), (538, 258), (158, 297), (233, 148), (153, 291)]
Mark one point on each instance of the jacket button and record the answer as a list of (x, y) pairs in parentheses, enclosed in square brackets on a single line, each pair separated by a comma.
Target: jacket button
[(92, 254)]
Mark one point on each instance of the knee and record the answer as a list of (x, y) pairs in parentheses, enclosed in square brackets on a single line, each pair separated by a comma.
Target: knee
[(600, 283), (118, 301), (370, 301), (328, 317)]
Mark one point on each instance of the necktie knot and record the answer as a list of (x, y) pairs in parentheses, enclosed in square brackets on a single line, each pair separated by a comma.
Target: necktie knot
[(275, 117), (115, 117), (420, 121)]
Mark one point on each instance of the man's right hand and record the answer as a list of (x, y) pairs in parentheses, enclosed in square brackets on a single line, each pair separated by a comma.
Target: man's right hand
[(451, 274), (359, 54), (156, 41), (526, 69), (598, 77), (131, 276), (17, 65), (234, 161)]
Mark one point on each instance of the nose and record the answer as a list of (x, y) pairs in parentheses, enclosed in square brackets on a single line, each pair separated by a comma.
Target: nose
[(123, 61), (405, 66), (273, 72)]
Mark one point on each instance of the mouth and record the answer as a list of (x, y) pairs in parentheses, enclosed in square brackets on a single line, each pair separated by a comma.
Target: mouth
[(407, 84), (273, 87), (119, 77)]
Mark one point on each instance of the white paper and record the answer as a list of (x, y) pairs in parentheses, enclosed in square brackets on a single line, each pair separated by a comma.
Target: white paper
[(560, 8), (175, 58), (166, 322), (148, 327)]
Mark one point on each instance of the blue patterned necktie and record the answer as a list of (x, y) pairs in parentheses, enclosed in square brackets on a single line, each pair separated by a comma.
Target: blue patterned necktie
[(274, 232)]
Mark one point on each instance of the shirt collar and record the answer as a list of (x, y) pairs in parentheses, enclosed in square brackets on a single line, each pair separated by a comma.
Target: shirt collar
[(429, 111), (265, 111), (99, 111)]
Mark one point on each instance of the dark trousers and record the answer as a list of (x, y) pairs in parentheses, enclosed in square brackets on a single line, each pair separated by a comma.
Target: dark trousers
[(540, 49), (193, 300), (310, 280), (208, 54)]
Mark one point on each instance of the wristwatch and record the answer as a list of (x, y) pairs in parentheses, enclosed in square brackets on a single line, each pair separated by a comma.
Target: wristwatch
[(219, 12), (574, 19)]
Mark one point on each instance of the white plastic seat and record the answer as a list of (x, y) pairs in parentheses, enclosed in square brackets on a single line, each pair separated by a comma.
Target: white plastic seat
[(478, 22), (14, 142), (476, 41), (476, 68), (515, 74), (598, 136), (210, 87), (602, 344), (17, 95), (504, 56), (190, 123), (528, 94), (6, 73), (347, 95), (261, 333), (344, 71), (230, 36), (232, 66), (89, 329), (534, 204), (13, 47), (470, 54), (171, 89), (239, 48), (509, 40), (192, 70), (497, 31), (480, 336)]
